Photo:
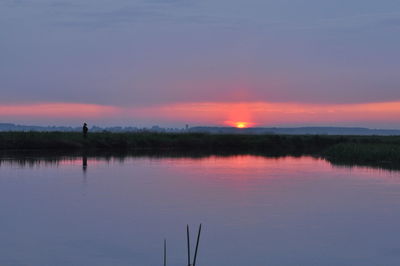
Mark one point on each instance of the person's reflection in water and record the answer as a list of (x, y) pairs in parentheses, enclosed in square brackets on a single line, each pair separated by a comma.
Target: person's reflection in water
[(84, 166), (84, 163)]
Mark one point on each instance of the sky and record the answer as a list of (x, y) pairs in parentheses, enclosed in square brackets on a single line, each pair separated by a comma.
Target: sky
[(203, 62)]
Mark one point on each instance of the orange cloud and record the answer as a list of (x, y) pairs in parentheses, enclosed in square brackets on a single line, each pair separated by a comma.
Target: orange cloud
[(264, 113), (214, 113), (61, 110)]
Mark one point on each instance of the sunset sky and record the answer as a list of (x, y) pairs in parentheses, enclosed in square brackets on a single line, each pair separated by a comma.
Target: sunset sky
[(203, 62)]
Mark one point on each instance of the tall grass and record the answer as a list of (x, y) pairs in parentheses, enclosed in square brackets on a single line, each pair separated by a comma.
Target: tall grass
[(341, 149), (129, 141), (366, 153)]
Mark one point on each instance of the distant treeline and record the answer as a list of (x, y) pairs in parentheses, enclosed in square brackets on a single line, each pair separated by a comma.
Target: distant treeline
[(358, 131), (367, 150)]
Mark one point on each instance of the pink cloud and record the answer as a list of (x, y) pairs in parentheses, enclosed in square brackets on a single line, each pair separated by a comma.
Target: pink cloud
[(211, 113), (264, 113), (60, 110)]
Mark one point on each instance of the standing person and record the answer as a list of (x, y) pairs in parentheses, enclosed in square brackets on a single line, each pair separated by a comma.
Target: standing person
[(85, 130)]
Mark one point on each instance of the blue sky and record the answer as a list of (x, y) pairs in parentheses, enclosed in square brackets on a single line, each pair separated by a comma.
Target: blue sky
[(138, 54)]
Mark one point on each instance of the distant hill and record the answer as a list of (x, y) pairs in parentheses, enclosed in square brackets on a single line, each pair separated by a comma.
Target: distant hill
[(13, 127), (298, 130), (216, 130)]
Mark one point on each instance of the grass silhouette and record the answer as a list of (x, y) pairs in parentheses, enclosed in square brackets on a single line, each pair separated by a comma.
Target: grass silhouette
[(368, 150)]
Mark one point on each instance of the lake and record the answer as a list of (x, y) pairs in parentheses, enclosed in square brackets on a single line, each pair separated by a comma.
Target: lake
[(255, 210)]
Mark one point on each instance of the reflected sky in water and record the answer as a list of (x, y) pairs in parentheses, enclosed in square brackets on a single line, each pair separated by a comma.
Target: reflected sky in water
[(255, 211)]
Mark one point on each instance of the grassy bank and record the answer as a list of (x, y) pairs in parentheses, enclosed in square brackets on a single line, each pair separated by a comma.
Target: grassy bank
[(366, 150), (191, 141), (373, 154)]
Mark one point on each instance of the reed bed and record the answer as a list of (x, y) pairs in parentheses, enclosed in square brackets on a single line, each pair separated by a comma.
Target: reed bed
[(366, 150)]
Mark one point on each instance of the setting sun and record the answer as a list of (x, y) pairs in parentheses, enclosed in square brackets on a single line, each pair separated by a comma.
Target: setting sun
[(239, 124)]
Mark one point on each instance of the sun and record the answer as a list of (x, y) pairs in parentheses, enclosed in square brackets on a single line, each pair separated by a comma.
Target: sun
[(241, 124)]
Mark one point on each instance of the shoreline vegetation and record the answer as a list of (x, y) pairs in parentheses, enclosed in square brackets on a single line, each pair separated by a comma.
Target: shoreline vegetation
[(376, 151)]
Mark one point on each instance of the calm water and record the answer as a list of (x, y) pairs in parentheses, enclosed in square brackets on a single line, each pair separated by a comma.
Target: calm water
[(255, 211)]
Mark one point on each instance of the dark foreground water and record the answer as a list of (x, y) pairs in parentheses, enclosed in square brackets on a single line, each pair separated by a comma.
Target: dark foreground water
[(254, 210)]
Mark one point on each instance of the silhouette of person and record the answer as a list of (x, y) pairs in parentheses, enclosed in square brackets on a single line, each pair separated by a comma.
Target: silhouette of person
[(85, 130)]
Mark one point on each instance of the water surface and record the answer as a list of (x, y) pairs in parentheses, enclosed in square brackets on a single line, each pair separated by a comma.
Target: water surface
[(255, 211)]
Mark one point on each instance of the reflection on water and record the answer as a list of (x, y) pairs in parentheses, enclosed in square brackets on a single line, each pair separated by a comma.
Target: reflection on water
[(84, 163), (255, 210), (35, 158)]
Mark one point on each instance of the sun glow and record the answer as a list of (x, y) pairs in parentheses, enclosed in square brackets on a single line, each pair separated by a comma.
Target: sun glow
[(239, 124), (237, 115)]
